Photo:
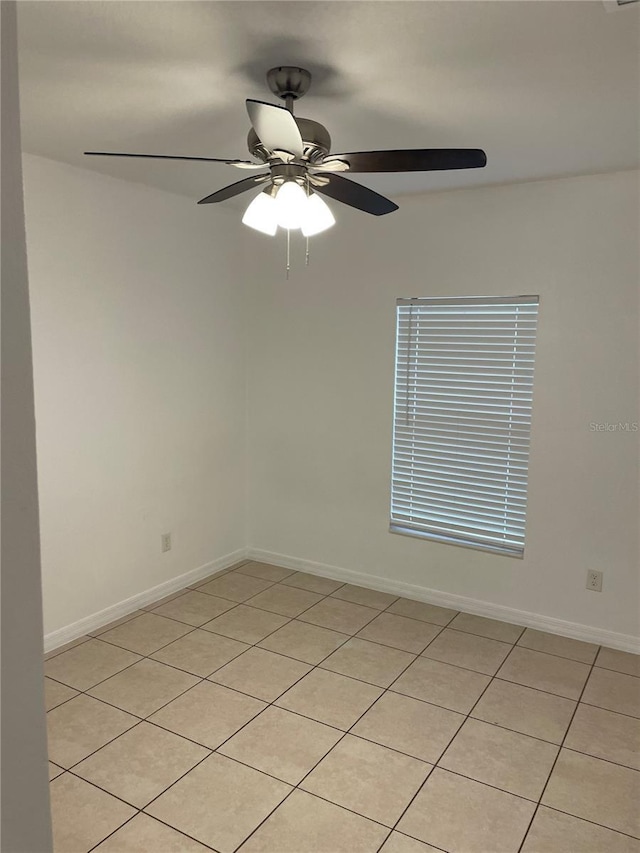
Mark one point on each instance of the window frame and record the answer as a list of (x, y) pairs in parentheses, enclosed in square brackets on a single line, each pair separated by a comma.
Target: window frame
[(522, 377)]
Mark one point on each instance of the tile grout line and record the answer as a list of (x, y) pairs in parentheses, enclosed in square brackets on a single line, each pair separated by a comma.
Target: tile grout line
[(560, 746), (344, 734), (453, 737), (297, 713), (91, 635), (316, 666), (146, 657), (211, 752), (553, 766)]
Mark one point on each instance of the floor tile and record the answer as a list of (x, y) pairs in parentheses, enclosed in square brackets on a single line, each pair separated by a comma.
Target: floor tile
[(220, 802), (399, 843), (82, 815), (502, 758), (379, 665), (165, 598), (330, 698), (235, 586), (605, 734), (303, 641), (552, 644), (200, 652), (88, 664), (313, 583), (458, 814), (141, 763), (468, 651), (483, 627), (339, 615), (444, 685), (613, 691), (144, 834), (619, 661), (55, 693), (410, 635), (408, 725), (82, 725), (145, 634), (364, 596), (54, 770), (525, 710), (247, 624), (420, 610), (65, 647), (208, 713), (212, 577), (104, 628), (369, 779), (265, 571), (595, 790), (545, 672), (285, 600), (555, 832), (144, 687), (282, 744), (194, 608), (260, 673), (304, 823)]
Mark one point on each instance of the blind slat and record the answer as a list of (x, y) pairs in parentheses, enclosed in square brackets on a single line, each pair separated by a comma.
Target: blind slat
[(462, 419)]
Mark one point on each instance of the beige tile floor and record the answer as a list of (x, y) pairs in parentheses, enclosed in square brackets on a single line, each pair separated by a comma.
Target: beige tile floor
[(270, 710)]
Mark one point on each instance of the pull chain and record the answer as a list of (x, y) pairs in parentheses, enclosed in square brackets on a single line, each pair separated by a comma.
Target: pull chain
[(306, 253), (288, 252)]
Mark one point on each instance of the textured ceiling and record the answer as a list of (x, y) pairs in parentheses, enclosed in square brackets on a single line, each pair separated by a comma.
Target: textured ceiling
[(546, 88)]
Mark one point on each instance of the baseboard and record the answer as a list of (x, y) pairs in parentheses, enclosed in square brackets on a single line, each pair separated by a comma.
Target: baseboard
[(129, 605), (600, 636)]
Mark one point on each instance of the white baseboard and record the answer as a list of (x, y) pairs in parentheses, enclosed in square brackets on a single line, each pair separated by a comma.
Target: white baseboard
[(90, 623), (600, 636)]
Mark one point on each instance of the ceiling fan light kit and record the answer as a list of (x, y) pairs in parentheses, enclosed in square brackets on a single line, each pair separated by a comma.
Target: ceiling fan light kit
[(296, 152)]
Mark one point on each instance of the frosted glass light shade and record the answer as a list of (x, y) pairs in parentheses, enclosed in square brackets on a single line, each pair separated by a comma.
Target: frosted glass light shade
[(291, 203), (262, 215), (317, 216), (291, 208)]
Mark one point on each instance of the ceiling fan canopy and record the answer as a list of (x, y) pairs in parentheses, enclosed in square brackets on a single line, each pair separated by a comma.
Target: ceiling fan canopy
[(297, 151)]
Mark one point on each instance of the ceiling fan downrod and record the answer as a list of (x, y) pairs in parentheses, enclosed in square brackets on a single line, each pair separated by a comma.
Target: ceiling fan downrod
[(289, 83)]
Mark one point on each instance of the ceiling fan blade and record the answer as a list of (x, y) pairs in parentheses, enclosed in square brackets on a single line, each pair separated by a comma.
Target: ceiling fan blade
[(356, 195), (412, 160), (331, 165), (235, 189), (276, 127), (241, 164)]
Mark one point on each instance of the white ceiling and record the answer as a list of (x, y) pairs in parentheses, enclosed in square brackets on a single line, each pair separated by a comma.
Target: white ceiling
[(546, 88)]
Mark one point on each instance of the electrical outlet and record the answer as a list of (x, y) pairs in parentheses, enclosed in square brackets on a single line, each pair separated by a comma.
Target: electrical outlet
[(165, 541), (594, 580)]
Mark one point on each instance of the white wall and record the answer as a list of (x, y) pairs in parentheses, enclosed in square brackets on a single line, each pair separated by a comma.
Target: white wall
[(140, 385), (321, 376), (25, 822)]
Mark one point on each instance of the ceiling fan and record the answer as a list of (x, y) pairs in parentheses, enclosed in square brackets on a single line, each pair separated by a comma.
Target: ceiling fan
[(296, 152)]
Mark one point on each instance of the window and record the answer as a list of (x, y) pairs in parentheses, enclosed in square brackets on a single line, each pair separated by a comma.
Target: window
[(462, 420)]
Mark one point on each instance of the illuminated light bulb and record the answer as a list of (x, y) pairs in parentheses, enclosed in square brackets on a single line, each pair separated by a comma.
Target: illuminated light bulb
[(291, 204), (262, 214), (317, 216)]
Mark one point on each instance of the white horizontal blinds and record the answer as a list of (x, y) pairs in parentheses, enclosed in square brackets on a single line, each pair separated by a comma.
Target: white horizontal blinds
[(463, 391)]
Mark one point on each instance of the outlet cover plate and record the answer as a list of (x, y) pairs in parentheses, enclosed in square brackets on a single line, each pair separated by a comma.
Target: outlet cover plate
[(594, 581)]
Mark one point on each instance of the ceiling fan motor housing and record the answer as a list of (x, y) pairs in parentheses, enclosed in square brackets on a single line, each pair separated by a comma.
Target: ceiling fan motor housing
[(316, 139), (289, 81)]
